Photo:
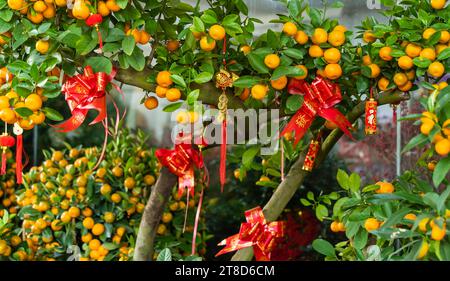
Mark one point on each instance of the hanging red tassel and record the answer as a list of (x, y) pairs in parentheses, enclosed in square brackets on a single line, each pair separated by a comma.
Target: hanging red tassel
[(95, 20), (223, 155), (19, 147), (3, 171), (371, 117)]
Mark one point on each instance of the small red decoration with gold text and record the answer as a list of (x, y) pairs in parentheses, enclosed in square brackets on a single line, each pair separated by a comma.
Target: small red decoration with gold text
[(371, 116), (310, 158)]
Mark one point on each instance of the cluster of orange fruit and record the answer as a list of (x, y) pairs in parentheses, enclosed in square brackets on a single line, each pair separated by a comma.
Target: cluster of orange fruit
[(163, 90), (332, 56), (405, 76), (39, 10), (140, 36), (11, 101), (101, 208), (442, 138), (208, 41)]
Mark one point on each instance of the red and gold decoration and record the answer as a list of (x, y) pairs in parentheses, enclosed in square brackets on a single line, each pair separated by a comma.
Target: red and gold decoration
[(310, 159), (256, 233), (84, 92), (95, 20), (224, 80), (320, 97), (371, 116), (181, 161)]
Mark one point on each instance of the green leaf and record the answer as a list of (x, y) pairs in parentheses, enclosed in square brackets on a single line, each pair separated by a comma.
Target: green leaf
[(99, 64), (6, 15), (52, 114), (193, 96), (445, 54), (441, 171), (209, 17), (249, 156), (324, 247), (165, 255), (203, 77), (136, 60), (337, 5), (421, 62), (177, 79), (198, 25), (354, 182), (343, 179), (290, 71), (305, 202), (360, 239), (294, 102), (246, 81), (172, 107), (272, 39), (128, 45), (416, 141), (24, 111), (122, 3), (293, 53), (395, 218), (315, 16), (257, 63), (321, 212)]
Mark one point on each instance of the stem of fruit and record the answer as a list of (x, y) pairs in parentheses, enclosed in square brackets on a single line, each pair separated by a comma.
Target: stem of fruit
[(286, 190)]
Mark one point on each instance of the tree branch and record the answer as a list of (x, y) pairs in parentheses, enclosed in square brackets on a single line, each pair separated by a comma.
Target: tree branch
[(286, 190), (152, 215), (209, 94)]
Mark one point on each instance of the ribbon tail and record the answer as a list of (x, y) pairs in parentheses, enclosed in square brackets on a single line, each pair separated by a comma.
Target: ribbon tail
[(19, 147), (197, 219), (232, 243), (223, 155), (299, 124), (3, 170), (335, 116), (105, 143), (78, 117), (100, 106)]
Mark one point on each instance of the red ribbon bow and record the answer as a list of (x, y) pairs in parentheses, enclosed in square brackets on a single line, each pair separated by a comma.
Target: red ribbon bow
[(84, 92), (180, 161), (320, 98), (256, 233)]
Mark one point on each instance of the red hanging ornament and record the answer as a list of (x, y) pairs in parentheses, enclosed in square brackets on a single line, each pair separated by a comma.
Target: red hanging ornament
[(371, 117), (256, 233), (6, 141), (311, 155), (95, 20)]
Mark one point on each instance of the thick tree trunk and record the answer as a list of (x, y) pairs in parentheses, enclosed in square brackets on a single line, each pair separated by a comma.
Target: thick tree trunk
[(152, 215)]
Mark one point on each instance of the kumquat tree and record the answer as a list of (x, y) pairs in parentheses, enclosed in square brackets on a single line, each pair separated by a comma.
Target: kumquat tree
[(211, 66)]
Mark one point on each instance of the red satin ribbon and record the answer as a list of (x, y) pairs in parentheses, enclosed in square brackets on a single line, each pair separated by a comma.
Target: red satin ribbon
[(320, 98), (84, 92), (181, 161), (256, 233)]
